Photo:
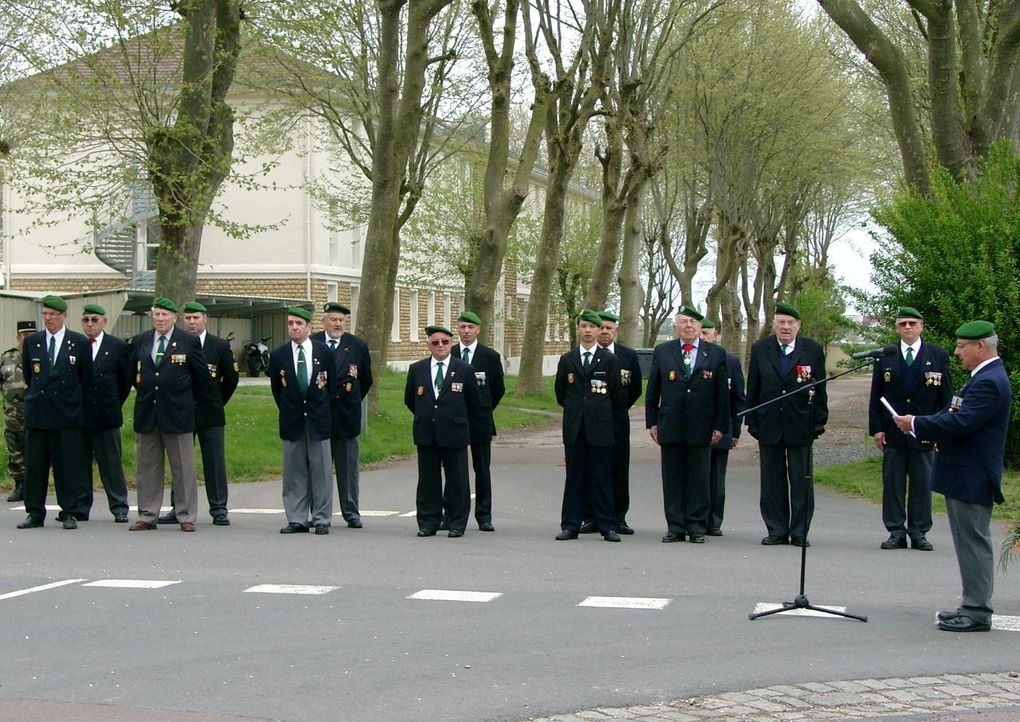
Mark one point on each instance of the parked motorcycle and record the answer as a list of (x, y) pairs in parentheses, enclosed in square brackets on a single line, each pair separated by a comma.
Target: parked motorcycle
[(256, 356)]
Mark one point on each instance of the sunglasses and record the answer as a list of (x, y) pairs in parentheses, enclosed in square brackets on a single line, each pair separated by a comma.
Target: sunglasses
[(440, 342), (91, 319)]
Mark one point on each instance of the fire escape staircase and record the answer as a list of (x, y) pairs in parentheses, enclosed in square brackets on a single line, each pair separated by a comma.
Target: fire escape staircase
[(116, 244)]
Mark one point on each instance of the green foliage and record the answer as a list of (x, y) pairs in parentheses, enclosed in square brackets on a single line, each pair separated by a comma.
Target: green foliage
[(821, 305), (956, 257)]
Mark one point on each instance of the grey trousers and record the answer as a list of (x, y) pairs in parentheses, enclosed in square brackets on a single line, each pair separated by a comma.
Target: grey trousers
[(180, 452), (347, 460), (307, 481), (972, 538)]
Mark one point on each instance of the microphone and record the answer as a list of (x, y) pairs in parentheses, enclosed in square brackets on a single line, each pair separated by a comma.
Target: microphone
[(890, 350)]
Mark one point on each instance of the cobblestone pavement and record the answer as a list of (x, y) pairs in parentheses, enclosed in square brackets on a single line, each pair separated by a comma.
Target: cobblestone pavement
[(993, 697)]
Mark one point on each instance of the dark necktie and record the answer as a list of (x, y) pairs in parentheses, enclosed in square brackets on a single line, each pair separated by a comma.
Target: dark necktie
[(784, 358), (586, 364), (910, 356), (160, 350), (53, 351), (688, 347), (466, 356), (332, 345), (439, 377), (302, 370)]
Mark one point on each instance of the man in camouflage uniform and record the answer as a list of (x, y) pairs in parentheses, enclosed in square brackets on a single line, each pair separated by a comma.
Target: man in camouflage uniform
[(12, 382)]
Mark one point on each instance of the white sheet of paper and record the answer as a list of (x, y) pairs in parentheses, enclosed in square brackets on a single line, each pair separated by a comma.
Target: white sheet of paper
[(888, 406)]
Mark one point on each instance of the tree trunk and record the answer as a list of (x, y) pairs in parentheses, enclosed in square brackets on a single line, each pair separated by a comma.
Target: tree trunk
[(631, 297), (614, 208)]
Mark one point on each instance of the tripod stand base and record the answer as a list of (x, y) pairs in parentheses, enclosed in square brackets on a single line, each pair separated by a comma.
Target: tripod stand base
[(801, 602)]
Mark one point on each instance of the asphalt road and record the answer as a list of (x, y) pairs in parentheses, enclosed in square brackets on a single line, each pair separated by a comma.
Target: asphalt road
[(366, 650)]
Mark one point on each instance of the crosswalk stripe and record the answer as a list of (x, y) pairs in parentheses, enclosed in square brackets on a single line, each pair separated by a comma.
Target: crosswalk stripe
[(625, 602), (40, 588), (1005, 623), (132, 583), (450, 595), (290, 589)]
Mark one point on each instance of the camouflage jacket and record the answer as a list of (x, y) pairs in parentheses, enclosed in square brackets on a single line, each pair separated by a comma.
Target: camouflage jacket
[(12, 380)]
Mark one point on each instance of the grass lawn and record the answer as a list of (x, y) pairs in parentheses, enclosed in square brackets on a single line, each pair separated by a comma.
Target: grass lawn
[(254, 450)]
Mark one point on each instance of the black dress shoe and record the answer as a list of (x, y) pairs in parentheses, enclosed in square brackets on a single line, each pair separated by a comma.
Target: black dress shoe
[(294, 528), (16, 495), (624, 528), (696, 539), (921, 544), (30, 523), (354, 524), (455, 534), (69, 522), (120, 518), (444, 525), (486, 526), (81, 516), (799, 541), (674, 536), (963, 623), (894, 542), (611, 536), (322, 529), (715, 531), (947, 614), (221, 520), (566, 535), (588, 527), (426, 532), (170, 518), (774, 540)]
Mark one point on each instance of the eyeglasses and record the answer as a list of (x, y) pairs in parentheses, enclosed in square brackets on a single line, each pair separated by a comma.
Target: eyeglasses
[(906, 323), (91, 319), (440, 342)]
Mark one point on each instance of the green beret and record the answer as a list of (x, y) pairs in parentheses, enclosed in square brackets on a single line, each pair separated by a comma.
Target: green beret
[(93, 308), (429, 330), (590, 316), (787, 310), (908, 312), (470, 317), (691, 312), (26, 326), (195, 307), (974, 330), (707, 323), (334, 307), (300, 312), (55, 303), (607, 316), (166, 304)]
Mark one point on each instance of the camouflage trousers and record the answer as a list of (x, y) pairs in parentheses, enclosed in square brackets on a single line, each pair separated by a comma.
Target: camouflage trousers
[(14, 436)]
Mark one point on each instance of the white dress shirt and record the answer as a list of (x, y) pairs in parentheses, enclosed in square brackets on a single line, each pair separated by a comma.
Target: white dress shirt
[(307, 346)]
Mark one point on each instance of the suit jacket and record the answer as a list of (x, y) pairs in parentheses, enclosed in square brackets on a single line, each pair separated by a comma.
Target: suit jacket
[(54, 398), (353, 380), (223, 377), (311, 408), (971, 436), (922, 388), (486, 361), (589, 399), (443, 421), (107, 384), (735, 376), (788, 421), (165, 396), (630, 378), (687, 411)]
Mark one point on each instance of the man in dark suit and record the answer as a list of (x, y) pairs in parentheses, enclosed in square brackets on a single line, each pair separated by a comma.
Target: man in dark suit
[(630, 378), (442, 394), (721, 449), (589, 389), (779, 365), (488, 368), (354, 379), (686, 411), (971, 436), (210, 416), (302, 374), (171, 375), (107, 386), (915, 381), (54, 368)]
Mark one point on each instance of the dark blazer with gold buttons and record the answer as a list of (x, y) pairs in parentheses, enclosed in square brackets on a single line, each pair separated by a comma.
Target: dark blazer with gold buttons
[(107, 384), (223, 374), (353, 380), (925, 387), (297, 410), (589, 398), (443, 421), (687, 410), (166, 394), (54, 397)]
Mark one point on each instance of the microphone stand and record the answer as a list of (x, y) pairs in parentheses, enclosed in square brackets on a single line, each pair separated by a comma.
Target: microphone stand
[(801, 601)]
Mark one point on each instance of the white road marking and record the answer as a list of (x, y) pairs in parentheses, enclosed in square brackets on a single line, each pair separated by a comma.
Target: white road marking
[(450, 595), (133, 583), (40, 588), (625, 602), (256, 511), (1005, 623), (769, 606), (410, 513), (290, 589), (379, 513)]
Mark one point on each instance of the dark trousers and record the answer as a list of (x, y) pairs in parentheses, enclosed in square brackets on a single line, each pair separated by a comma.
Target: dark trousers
[(481, 459), (346, 461), (621, 484), (589, 476), (59, 449), (717, 487), (433, 463), (906, 490), (787, 500), (685, 469), (104, 446)]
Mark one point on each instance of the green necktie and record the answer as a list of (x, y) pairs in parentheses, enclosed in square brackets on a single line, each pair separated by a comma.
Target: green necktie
[(439, 376), (302, 370), (587, 360), (53, 351), (160, 350), (466, 356), (910, 356)]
